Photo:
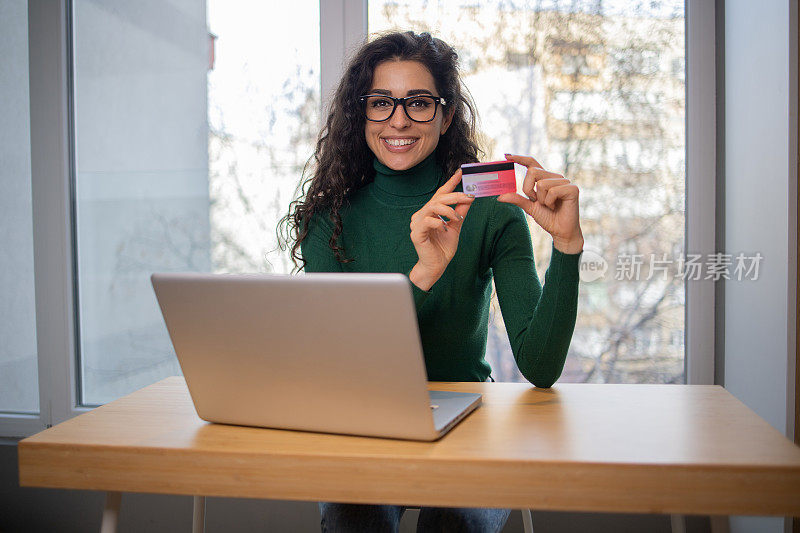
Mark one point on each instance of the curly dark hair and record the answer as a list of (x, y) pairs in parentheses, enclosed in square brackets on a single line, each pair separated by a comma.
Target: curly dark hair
[(342, 161)]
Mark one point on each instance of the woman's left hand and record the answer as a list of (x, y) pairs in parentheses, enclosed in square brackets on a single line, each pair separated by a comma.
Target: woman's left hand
[(552, 201)]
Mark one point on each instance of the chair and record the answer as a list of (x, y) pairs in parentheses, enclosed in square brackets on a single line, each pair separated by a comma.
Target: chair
[(527, 521)]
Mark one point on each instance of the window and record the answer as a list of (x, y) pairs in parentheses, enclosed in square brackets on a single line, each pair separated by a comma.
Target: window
[(263, 113), (141, 194), (179, 146), (630, 61), (577, 64), (19, 391), (581, 87), (191, 135)]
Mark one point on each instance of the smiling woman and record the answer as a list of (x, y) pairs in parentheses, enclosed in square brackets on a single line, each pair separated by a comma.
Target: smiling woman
[(385, 195), (348, 144)]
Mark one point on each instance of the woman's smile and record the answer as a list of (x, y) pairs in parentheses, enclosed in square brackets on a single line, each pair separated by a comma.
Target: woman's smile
[(399, 144)]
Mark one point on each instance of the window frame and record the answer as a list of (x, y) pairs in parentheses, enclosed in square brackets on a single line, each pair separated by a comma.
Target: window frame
[(700, 200), (52, 173), (53, 185)]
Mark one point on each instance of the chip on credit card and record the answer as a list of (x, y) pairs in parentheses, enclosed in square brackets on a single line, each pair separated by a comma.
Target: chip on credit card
[(488, 179)]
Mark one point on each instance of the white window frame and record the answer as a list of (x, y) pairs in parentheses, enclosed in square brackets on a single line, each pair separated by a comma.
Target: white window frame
[(52, 165), (345, 27), (701, 190)]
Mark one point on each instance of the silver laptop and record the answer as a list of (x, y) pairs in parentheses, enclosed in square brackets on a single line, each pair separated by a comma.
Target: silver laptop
[(334, 353)]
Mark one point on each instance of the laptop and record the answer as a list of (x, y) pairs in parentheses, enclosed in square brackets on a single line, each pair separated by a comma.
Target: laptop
[(332, 353)]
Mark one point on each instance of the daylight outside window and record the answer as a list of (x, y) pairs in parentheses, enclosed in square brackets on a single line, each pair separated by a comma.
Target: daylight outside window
[(193, 122), (594, 91)]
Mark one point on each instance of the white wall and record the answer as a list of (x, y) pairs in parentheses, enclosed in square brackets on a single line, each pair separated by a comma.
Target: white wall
[(760, 207)]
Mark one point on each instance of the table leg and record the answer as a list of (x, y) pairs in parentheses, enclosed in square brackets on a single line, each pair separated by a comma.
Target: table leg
[(720, 524), (111, 512), (199, 515), (678, 522)]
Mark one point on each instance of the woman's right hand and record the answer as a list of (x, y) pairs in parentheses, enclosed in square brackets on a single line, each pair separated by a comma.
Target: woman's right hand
[(434, 239)]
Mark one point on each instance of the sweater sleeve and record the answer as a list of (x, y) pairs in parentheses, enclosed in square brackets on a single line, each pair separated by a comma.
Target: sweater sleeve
[(418, 294), (316, 249), (539, 320)]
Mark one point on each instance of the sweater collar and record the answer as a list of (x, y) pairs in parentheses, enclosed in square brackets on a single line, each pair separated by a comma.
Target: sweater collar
[(418, 181)]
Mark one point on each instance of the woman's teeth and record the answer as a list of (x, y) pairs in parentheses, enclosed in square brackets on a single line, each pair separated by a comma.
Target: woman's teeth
[(399, 142)]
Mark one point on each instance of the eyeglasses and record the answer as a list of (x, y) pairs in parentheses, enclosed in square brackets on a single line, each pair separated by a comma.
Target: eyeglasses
[(419, 108)]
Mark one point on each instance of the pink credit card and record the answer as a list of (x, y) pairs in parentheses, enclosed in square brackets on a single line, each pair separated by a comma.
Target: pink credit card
[(488, 179)]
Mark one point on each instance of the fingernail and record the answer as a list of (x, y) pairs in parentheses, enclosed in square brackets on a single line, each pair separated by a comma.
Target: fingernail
[(470, 195), (461, 217)]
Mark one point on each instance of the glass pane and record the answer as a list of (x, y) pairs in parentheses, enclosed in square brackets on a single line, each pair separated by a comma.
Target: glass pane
[(263, 108), (595, 91), (190, 131), (19, 375), (142, 181)]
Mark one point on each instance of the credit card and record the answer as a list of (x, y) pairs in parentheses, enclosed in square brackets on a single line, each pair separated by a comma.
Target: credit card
[(488, 179)]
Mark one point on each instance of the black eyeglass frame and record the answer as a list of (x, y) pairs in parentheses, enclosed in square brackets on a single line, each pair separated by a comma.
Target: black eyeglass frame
[(437, 101)]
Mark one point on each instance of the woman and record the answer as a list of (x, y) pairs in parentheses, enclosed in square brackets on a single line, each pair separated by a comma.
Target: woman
[(380, 200)]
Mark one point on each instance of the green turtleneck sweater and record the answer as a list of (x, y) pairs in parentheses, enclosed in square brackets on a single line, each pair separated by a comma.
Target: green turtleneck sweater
[(453, 315)]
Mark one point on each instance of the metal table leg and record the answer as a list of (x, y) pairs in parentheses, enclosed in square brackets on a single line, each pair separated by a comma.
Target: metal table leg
[(678, 522), (199, 515), (111, 512)]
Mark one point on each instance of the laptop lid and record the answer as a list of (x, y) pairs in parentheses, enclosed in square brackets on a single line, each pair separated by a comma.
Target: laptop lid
[(335, 353)]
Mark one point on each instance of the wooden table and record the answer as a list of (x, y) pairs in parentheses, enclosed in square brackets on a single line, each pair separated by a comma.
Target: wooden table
[(673, 449)]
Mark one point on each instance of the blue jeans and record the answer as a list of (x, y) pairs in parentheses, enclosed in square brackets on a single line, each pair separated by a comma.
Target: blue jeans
[(357, 518)]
